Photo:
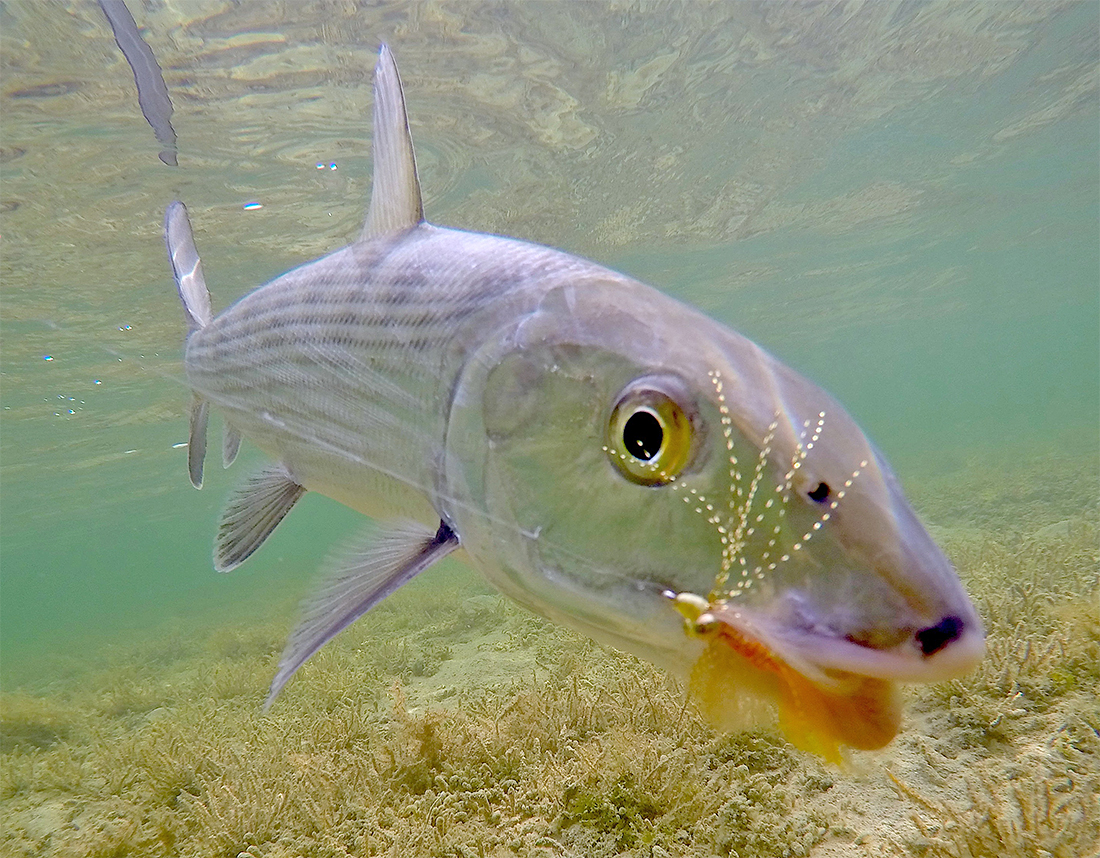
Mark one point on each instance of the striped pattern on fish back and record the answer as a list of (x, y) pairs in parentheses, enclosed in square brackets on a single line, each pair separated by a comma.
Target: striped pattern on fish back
[(342, 369)]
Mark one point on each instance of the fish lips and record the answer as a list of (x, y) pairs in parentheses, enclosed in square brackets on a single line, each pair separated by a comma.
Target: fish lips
[(820, 655)]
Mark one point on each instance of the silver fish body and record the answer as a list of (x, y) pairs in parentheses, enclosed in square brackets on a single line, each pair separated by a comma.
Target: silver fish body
[(344, 369), (606, 455)]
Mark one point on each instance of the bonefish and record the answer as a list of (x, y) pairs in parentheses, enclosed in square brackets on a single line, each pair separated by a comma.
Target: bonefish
[(608, 457)]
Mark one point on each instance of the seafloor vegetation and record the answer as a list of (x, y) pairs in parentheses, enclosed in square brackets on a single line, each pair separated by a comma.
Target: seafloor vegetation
[(448, 723)]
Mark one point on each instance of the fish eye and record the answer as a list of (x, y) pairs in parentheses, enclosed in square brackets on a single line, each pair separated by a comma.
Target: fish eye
[(643, 435), (649, 433)]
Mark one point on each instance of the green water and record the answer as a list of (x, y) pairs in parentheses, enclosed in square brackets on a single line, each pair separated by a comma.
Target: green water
[(902, 202)]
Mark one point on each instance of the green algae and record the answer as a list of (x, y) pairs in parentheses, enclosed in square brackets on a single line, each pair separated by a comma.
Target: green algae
[(449, 723), (29, 722)]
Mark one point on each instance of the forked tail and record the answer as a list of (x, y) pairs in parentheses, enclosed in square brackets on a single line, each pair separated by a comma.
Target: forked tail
[(186, 267), (187, 272)]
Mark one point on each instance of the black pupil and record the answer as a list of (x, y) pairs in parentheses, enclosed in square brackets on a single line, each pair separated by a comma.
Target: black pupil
[(820, 493), (642, 435)]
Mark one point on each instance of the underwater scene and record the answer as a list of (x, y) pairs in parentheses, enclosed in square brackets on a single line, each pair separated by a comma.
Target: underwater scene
[(899, 200)]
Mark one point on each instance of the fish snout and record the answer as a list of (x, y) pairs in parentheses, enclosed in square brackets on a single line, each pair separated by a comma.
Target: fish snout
[(934, 638), (950, 648), (858, 623), (949, 638)]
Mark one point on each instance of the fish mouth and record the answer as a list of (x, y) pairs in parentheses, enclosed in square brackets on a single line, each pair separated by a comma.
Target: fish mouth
[(947, 649), (912, 661), (832, 692)]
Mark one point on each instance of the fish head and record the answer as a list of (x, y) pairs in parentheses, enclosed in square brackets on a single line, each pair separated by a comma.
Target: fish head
[(623, 464)]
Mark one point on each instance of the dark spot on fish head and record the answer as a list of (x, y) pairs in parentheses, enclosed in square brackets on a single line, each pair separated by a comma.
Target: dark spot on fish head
[(47, 90), (934, 638), (820, 493), (10, 153), (8, 206)]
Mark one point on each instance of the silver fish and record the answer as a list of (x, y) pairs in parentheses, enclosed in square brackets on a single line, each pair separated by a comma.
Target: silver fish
[(152, 92), (607, 456)]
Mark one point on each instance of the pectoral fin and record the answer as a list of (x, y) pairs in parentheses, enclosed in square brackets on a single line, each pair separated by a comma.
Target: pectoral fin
[(254, 510), (355, 583)]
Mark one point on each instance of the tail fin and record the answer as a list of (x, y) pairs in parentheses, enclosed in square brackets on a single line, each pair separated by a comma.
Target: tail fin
[(186, 267), (187, 272)]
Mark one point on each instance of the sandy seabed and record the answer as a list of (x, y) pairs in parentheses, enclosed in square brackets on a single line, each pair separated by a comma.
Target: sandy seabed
[(450, 723)]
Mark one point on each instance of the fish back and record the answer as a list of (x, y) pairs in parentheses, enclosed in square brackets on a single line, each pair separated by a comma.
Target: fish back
[(343, 369)]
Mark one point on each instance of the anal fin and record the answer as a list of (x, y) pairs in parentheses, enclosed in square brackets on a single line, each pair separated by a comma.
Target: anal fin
[(355, 582), (254, 510), (231, 444)]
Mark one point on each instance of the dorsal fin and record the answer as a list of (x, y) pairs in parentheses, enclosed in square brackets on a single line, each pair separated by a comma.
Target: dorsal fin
[(395, 199)]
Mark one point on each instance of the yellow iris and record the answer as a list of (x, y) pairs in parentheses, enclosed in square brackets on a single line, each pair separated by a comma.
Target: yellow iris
[(649, 435)]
